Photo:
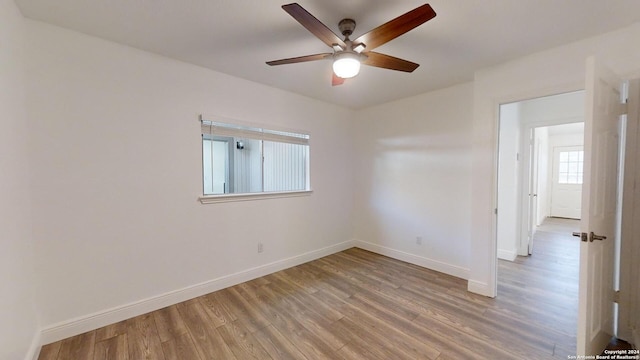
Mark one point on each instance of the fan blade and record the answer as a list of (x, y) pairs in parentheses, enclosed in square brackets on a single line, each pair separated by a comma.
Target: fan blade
[(320, 30), (300, 59), (396, 27), (388, 62), (336, 80)]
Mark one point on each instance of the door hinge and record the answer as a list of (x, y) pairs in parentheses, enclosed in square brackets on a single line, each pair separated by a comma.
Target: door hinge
[(495, 211), (622, 108), (616, 296)]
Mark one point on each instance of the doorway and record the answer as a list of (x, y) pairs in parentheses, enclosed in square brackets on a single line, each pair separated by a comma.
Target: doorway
[(554, 169), (217, 160), (539, 147), (529, 133)]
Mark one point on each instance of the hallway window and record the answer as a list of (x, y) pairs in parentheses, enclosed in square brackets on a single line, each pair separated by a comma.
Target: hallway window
[(570, 167)]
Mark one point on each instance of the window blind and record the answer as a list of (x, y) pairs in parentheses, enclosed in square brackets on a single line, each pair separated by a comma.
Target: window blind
[(237, 131)]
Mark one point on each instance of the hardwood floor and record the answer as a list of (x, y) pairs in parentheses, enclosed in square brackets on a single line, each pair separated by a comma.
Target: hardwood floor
[(543, 288), (357, 305)]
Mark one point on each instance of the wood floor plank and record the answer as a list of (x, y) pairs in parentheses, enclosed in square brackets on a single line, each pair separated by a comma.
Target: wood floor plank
[(386, 331), (180, 347), (307, 306), (454, 335), (143, 339), (377, 343), (218, 310), (169, 323), (248, 289), (112, 330), (207, 340), (50, 351), (241, 342), (292, 308), (354, 351), (244, 309), (113, 348), (295, 280), (81, 347), (277, 345), (308, 300)]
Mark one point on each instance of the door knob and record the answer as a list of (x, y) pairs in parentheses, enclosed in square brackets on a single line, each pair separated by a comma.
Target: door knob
[(582, 236), (593, 236)]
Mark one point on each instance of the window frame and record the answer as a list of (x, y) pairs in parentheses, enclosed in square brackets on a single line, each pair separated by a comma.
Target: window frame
[(232, 197), (569, 174)]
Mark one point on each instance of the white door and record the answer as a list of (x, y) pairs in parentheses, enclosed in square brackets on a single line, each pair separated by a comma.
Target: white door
[(595, 303), (566, 186), (215, 157)]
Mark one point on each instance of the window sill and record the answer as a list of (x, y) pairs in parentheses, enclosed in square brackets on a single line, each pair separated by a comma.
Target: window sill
[(213, 199)]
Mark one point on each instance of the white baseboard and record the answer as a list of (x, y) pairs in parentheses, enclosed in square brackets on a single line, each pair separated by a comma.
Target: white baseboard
[(436, 265), (480, 288), (507, 254), (90, 322), (34, 349)]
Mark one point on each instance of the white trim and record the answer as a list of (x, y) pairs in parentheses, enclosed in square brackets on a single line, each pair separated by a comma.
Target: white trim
[(99, 319), (436, 265), (213, 199), (481, 288), (35, 347), (509, 255)]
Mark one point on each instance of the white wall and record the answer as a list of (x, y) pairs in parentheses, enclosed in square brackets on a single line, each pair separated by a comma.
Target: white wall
[(553, 110), (508, 217), (117, 174), (413, 178), (548, 72), (19, 326), (566, 140)]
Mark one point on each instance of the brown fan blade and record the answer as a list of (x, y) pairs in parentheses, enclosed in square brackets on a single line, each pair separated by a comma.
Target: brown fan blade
[(396, 27), (336, 80), (320, 30), (388, 62), (300, 59)]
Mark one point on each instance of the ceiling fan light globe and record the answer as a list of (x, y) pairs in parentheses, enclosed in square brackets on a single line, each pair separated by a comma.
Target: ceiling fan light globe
[(346, 65)]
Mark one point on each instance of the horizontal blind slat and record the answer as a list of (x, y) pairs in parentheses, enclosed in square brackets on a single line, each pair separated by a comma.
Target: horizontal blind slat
[(209, 128)]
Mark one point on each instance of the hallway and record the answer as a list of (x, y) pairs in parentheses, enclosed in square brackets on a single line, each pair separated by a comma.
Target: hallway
[(543, 288)]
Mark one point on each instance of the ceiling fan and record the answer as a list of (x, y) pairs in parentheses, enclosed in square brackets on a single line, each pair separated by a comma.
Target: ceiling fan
[(348, 54)]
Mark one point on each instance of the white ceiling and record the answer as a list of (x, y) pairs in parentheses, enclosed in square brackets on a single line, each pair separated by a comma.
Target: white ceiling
[(237, 37)]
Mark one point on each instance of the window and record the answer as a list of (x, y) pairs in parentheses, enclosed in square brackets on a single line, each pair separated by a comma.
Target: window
[(570, 167), (238, 159)]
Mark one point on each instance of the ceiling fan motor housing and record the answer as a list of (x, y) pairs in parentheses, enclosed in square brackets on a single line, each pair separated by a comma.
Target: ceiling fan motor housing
[(347, 26)]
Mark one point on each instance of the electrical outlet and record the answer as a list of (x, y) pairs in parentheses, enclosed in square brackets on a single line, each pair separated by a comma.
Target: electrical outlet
[(419, 240), (260, 247)]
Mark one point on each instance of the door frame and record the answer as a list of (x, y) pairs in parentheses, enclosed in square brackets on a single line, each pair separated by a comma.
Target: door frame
[(490, 287), (629, 301), (525, 172)]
